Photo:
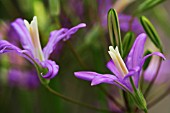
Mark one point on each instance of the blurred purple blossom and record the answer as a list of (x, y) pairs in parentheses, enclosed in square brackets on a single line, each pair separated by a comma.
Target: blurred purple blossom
[(23, 79), (29, 38), (103, 8), (164, 72), (77, 7), (122, 72), (127, 22)]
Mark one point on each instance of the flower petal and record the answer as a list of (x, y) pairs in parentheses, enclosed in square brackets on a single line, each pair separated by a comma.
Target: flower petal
[(86, 75), (135, 73), (97, 78), (132, 72), (55, 37), (5, 46), (52, 67), (154, 53), (23, 33), (136, 53), (111, 66), (58, 35), (73, 30), (164, 73), (105, 78), (128, 23)]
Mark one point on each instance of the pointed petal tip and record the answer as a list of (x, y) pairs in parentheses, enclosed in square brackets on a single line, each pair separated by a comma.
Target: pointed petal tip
[(93, 84), (142, 35), (35, 17), (83, 25), (111, 47), (76, 74)]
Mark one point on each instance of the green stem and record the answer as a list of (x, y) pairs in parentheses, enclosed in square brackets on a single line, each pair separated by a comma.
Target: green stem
[(153, 80), (138, 97), (74, 101), (133, 85)]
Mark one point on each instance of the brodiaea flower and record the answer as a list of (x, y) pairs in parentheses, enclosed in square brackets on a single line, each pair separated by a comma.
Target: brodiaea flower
[(163, 74), (29, 38), (122, 71)]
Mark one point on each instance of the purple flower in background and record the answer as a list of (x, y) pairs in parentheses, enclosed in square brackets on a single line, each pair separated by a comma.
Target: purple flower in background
[(103, 8), (77, 7), (29, 38), (128, 23), (23, 79), (164, 72), (122, 71)]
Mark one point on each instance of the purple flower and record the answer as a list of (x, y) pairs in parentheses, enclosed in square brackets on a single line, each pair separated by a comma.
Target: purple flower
[(128, 23), (103, 8), (164, 73), (23, 79), (29, 38), (122, 71)]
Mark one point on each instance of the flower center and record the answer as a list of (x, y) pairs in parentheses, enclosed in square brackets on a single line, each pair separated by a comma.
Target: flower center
[(33, 30), (118, 61)]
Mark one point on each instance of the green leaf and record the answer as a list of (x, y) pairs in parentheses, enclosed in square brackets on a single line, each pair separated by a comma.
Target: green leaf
[(54, 7), (148, 4), (147, 61), (127, 43), (114, 30), (151, 32)]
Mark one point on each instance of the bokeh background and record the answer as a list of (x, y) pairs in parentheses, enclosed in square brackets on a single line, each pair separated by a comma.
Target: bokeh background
[(89, 44)]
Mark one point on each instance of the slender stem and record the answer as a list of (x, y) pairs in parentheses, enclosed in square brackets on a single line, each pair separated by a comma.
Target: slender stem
[(133, 85), (76, 55), (74, 101), (153, 80), (166, 93), (112, 99)]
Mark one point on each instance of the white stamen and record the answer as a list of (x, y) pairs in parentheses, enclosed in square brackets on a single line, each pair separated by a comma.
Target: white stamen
[(33, 29), (119, 63)]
